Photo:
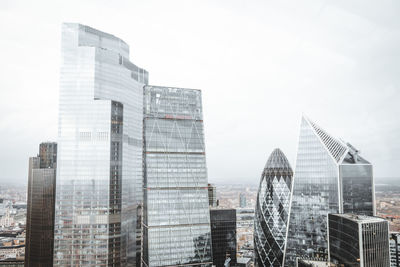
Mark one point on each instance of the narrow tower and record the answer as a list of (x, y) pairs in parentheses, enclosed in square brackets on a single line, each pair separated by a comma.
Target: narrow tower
[(176, 223), (40, 207), (272, 210)]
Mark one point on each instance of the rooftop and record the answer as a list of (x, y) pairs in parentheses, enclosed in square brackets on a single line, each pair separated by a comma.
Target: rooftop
[(360, 218)]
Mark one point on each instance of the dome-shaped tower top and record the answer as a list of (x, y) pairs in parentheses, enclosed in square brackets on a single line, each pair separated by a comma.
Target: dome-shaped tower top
[(277, 160)]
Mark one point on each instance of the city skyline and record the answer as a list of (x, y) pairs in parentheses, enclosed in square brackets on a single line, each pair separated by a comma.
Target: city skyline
[(132, 171), (335, 61)]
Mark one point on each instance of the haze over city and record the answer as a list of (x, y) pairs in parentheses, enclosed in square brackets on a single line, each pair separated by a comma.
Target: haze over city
[(260, 66)]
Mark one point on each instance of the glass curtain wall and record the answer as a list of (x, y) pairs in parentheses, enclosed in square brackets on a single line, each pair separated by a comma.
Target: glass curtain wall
[(176, 211), (99, 168)]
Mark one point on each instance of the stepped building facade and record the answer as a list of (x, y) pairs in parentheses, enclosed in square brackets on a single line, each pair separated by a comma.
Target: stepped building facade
[(100, 148)]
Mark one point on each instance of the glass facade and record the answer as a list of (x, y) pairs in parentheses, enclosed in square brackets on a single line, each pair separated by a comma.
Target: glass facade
[(99, 167), (223, 235), (176, 222), (344, 240), (40, 207), (357, 185), (358, 240), (272, 211), (327, 176)]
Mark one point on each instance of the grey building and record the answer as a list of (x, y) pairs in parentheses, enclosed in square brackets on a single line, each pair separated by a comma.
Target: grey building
[(40, 207), (272, 210), (212, 195), (358, 240), (100, 150), (243, 262), (330, 177), (394, 241), (12, 263), (223, 236), (176, 222), (242, 200), (313, 263)]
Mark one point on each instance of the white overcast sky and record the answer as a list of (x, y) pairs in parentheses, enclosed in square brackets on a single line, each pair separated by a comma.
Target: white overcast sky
[(260, 65)]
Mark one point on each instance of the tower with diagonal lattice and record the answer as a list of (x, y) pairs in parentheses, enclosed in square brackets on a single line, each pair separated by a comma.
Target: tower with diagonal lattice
[(272, 210), (176, 219)]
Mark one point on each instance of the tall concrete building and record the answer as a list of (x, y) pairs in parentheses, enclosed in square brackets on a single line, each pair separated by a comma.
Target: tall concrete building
[(223, 236), (357, 240), (100, 148), (40, 207), (176, 222), (330, 177), (272, 211), (394, 241)]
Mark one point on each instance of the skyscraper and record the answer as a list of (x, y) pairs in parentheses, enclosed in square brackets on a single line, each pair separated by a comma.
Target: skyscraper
[(242, 200), (100, 148), (223, 236), (40, 207), (357, 240), (330, 177), (176, 222), (394, 241), (212, 195), (272, 210)]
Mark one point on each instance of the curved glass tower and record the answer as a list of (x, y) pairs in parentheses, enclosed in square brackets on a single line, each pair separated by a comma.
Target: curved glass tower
[(100, 147), (272, 210), (330, 177)]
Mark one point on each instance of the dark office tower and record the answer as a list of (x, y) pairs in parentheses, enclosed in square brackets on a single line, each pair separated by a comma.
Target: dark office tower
[(330, 177), (358, 240), (100, 151), (223, 235), (176, 222), (40, 208), (272, 210), (394, 241), (48, 155), (212, 195)]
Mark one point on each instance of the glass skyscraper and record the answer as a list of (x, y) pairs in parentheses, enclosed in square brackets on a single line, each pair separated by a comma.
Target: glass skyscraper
[(176, 222), (100, 148), (330, 177), (272, 210)]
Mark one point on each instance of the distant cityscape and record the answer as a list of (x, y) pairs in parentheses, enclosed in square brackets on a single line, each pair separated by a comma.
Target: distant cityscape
[(13, 215)]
